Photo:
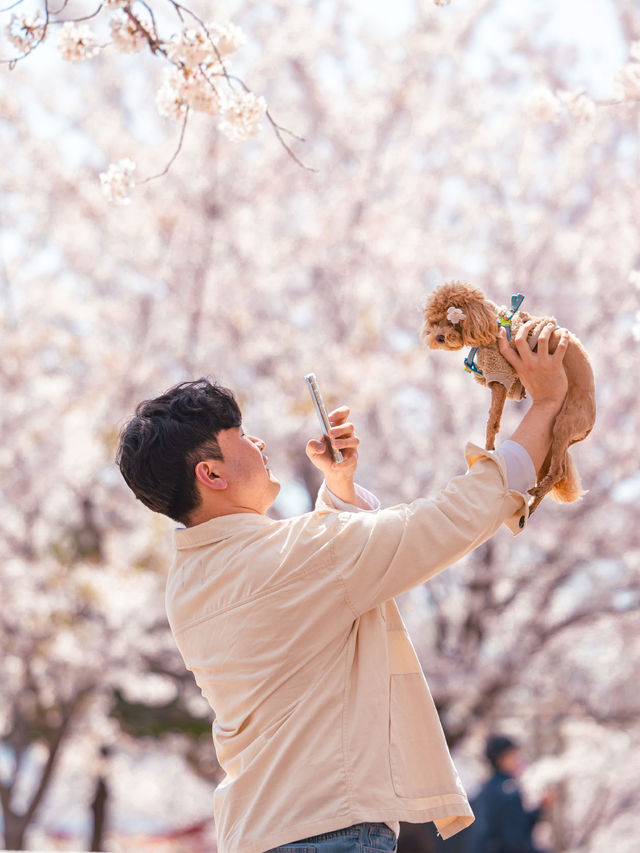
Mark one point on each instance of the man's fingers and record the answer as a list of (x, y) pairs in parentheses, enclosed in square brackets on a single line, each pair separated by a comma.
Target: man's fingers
[(543, 339), (344, 443), (339, 416), (342, 431), (507, 350), (521, 338), (315, 448), (563, 343)]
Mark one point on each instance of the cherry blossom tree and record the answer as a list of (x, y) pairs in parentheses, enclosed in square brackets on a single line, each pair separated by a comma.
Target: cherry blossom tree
[(434, 158)]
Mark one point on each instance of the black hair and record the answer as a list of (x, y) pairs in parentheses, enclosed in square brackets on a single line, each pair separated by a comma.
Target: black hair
[(496, 746), (161, 445)]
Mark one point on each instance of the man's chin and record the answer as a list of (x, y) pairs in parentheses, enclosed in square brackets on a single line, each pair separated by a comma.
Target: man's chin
[(275, 484), (275, 489)]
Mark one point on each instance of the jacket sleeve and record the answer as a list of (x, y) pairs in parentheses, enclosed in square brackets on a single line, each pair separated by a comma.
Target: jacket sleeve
[(383, 554), (516, 832)]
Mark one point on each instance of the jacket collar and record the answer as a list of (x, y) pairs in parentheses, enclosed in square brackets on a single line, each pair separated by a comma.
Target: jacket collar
[(217, 529)]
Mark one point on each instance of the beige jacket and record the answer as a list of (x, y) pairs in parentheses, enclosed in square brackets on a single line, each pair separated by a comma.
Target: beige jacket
[(323, 716)]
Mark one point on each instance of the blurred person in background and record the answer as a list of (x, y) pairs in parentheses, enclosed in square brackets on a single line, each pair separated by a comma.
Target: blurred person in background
[(503, 825), (324, 724)]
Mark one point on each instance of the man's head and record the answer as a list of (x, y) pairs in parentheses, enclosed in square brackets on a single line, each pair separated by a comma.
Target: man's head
[(185, 454), (504, 754)]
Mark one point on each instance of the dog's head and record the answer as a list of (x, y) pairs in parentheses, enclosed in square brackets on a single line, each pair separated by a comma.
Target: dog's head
[(458, 315)]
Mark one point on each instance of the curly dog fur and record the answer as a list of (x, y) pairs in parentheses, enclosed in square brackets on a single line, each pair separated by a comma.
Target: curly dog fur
[(458, 315)]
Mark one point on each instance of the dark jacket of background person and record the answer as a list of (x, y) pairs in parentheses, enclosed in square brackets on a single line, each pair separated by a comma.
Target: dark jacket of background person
[(502, 823)]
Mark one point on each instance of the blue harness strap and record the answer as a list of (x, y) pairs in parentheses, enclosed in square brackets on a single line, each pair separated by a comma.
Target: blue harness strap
[(469, 362), (516, 301)]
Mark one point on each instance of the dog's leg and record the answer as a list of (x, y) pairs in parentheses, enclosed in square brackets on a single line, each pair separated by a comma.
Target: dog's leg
[(498, 396), (534, 503), (555, 467), (542, 473)]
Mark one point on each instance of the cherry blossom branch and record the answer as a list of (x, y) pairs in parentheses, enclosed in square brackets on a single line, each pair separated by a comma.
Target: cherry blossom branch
[(240, 114), (175, 153), (150, 12), (79, 20), (277, 129), (291, 154), (155, 45), (12, 6)]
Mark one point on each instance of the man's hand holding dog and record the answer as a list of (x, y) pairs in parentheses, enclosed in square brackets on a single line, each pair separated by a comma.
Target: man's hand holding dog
[(544, 377), (541, 372), (338, 475)]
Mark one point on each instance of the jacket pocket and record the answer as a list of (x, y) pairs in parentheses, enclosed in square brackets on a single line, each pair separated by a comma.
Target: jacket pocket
[(415, 737)]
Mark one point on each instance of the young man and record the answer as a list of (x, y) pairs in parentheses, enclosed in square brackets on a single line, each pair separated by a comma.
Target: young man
[(503, 824), (324, 724)]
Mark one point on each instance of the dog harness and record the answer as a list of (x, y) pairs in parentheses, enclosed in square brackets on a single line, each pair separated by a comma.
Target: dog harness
[(516, 301)]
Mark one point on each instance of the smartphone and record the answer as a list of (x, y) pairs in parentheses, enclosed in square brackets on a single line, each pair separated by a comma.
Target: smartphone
[(316, 396)]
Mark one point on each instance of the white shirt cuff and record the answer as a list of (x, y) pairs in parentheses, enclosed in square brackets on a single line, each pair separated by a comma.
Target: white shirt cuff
[(521, 472), (364, 494)]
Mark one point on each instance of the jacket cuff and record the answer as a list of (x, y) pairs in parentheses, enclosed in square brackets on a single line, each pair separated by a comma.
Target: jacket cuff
[(516, 521), (327, 500)]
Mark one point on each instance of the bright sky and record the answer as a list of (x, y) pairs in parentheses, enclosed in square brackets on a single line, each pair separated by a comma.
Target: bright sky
[(589, 25)]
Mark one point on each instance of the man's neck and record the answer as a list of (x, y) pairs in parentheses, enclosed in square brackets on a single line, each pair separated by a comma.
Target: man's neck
[(203, 514)]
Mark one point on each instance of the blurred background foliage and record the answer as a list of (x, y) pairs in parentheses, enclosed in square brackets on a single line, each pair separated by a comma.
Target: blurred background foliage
[(476, 141)]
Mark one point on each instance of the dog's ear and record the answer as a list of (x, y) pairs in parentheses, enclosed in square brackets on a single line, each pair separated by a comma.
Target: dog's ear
[(479, 328)]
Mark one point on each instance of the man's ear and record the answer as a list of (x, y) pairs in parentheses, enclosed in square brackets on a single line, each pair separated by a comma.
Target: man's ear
[(208, 477)]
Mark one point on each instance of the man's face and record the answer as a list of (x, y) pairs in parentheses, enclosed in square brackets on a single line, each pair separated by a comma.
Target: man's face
[(511, 762), (249, 479)]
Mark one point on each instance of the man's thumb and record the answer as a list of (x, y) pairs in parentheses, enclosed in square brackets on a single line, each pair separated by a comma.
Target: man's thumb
[(316, 446)]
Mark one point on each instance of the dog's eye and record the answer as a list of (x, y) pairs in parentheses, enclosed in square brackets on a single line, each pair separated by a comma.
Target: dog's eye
[(440, 339)]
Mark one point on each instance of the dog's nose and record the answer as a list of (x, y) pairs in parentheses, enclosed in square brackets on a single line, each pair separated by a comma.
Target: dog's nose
[(440, 339)]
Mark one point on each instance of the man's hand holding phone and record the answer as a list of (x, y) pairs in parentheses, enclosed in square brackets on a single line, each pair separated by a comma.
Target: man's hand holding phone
[(338, 475)]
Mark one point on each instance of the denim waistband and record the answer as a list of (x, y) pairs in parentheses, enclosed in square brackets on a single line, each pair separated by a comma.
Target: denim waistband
[(365, 830)]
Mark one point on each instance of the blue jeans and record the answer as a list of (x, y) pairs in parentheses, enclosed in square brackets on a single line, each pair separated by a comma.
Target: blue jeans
[(361, 838)]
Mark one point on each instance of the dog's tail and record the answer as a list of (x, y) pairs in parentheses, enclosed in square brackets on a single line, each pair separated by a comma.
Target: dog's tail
[(568, 488)]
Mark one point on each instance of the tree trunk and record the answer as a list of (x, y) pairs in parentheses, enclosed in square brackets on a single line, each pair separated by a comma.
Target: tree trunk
[(14, 830), (99, 809)]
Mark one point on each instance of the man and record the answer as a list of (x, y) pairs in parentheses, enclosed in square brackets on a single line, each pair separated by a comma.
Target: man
[(503, 825), (324, 724)]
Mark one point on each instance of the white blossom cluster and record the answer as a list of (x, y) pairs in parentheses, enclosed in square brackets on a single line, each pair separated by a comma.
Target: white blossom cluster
[(26, 31), (117, 182), (579, 104), (545, 107), (198, 81), (77, 42), (626, 86), (126, 35), (208, 45), (200, 54), (242, 114), (185, 87)]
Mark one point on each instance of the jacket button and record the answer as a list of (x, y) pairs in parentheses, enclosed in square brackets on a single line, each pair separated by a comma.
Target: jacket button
[(521, 522)]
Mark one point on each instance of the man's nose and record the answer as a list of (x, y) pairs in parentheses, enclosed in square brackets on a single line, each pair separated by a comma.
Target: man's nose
[(258, 442)]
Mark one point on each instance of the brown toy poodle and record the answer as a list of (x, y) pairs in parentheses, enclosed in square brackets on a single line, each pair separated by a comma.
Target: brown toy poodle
[(458, 315)]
